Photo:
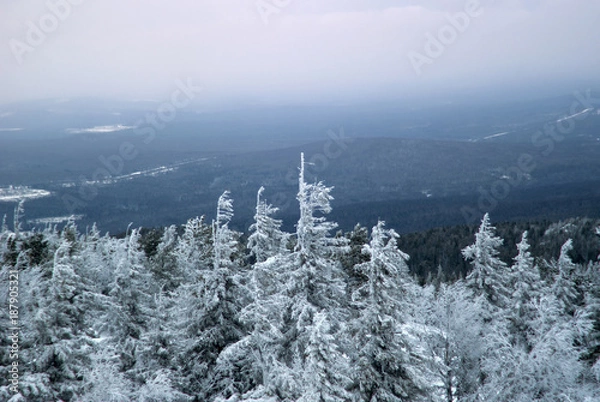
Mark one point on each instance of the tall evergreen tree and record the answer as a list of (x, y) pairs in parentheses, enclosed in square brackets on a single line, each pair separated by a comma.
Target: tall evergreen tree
[(266, 239), (194, 250), (290, 290), (565, 288), (456, 341), (327, 370), (525, 284), (384, 366), (59, 334), (547, 368), (489, 274), (164, 264), (129, 304), (208, 310)]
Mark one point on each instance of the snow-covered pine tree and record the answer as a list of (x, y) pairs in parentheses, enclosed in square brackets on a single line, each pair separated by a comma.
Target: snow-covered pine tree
[(164, 266), (256, 354), (159, 387), (4, 226), (385, 368), (564, 287), (547, 368), (357, 239), (544, 361), (266, 239), (208, 311), (312, 281), (489, 275), (18, 215), (289, 291), (59, 333), (194, 250), (318, 273), (266, 348), (95, 262), (5, 234), (103, 380), (591, 289), (157, 348), (132, 318), (129, 304), (326, 376), (225, 240), (525, 285), (455, 340), (313, 231)]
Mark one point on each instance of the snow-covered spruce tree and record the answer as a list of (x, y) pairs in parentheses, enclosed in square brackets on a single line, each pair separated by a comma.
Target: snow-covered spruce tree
[(252, 362), (208, 311), (194, 250), (4, 225), (313, 281), (5, 342), (266, 239), (591, 290), (129, 304), (103, 380), (225, 240), (17, 217), (58, 340), (164, 264), (456, 339), (34, 296), (157, 349), (489, 275), (5, 235), (548, 367), (317, 275), (289, 290), (385, 368), (357, 239), (255, 355), (525, 286), (313, 231), (540, 359), (263, 355), (564, 287), (97, 264), (326, 375)]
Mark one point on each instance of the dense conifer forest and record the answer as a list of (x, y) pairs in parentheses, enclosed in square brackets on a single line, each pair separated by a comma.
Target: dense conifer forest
[(206, 313)]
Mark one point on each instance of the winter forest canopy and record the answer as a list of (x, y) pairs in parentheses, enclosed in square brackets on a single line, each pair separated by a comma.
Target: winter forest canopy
[(211, 314)]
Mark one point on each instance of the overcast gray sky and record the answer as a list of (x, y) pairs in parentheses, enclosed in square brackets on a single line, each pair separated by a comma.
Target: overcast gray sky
[(136, 49)]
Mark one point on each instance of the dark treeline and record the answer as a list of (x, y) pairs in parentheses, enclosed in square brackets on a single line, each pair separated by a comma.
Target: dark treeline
[(440, 247)]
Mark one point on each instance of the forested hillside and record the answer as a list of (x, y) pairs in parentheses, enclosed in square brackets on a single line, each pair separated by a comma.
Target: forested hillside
[(201, 315)]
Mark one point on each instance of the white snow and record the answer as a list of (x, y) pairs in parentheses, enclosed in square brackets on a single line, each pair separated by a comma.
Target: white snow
[(99, 129), (55, 219), (496, 135), (134, 175), (18, 193), (130, 176), (575, 115)]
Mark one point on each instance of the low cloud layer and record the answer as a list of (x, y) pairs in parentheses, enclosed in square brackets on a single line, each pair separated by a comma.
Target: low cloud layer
[(286, 50)]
